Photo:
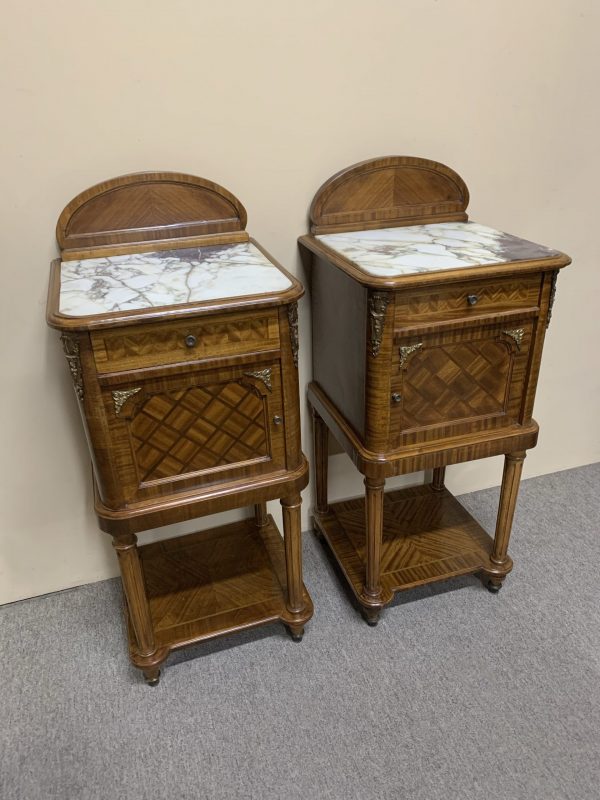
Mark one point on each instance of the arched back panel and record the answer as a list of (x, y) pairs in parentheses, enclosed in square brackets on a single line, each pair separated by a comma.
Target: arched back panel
[(385, 192), (148, 206)]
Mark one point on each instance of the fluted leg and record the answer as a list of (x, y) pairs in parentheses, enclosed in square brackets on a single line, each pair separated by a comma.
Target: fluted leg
[(500, 562), (135, 592), (293, 556), (321, 439), (374, 536), (437, 483), (260, 514)]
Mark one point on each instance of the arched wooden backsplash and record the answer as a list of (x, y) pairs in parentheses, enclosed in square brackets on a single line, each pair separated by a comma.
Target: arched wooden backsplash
[(390, 191), (148, 206)]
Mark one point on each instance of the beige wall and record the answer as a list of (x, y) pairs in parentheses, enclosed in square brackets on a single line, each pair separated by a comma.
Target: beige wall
[(269, 99)]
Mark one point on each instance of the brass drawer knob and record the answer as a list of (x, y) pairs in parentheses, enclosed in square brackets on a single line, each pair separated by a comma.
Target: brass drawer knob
[(396, 397), (472, 299), (190, 340), (277, 419)]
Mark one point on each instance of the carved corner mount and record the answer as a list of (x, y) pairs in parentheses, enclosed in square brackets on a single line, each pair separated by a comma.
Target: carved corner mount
[(517, 334), (71, 348), (121, 396), (407, 351), (263, 375), (552, 296), (292, 312), (378, 303)]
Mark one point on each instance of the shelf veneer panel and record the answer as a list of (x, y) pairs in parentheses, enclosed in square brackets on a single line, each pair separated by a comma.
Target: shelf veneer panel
[(213, 582), (427, 536)]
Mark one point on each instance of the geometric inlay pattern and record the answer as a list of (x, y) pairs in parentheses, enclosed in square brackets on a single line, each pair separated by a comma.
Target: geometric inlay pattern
[(490, 295), (198, 428), (455, 381), (205, 584), (201, 576), (426, 535), (209, 335)]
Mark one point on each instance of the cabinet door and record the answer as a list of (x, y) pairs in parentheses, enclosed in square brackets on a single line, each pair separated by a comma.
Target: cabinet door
[(456, 382), (177, 433)]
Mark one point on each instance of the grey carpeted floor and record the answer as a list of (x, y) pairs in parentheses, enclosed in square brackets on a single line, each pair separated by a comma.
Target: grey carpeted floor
[(456, 694)]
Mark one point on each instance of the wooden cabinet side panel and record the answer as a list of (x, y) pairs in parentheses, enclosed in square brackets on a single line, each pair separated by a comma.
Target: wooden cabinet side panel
[(288, 331), (339, 319), (547, 285), (106, 468), (381, 309)]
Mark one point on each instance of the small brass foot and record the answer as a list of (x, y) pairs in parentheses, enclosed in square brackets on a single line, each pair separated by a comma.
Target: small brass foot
[(371, 616), (493, 585), (295, 633), (152, 676)]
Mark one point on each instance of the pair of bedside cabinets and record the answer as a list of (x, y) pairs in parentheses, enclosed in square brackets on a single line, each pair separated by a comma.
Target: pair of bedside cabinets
[(181, 337)]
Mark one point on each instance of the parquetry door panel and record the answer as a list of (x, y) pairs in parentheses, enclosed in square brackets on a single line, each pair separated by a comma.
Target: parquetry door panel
[(212, 425), (469, 380)]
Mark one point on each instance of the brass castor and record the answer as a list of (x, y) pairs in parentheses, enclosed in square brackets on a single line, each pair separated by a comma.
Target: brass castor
[(371, 616), (296, 634), (493, 586), (152, 677)]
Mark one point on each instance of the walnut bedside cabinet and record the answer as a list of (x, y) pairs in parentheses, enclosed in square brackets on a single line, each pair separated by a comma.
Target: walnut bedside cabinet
[(427, 339), (180, 333)]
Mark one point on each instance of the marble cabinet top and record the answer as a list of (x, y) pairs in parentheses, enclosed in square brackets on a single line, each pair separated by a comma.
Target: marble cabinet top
[(166, 278), (391, 252)]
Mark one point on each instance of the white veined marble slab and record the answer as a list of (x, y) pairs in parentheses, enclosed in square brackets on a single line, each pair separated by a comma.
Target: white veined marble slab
[(391, 252), (166, 278)]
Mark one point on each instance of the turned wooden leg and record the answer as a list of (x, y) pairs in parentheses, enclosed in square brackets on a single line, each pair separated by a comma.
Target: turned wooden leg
[(374, 537), (437, 483), (260, 514), (501, 562), (293, 554), (321, 440), (135, 592)]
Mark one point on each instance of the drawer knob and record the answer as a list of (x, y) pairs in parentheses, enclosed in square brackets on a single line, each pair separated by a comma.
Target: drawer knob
[(472, 299), (277, 419), (396, 397), (190, 340)]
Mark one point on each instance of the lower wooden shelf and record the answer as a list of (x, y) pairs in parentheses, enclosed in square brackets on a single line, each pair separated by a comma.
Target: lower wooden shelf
[(214, 582), (427, 536)]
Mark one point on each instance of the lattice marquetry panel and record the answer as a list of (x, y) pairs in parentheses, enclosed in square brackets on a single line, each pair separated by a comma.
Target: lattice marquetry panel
[(455, 381), (198, 428)]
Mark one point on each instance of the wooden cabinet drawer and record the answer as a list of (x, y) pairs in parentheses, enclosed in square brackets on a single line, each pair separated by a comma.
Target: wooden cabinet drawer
[(153, 345), (455, 382), (466, 299)]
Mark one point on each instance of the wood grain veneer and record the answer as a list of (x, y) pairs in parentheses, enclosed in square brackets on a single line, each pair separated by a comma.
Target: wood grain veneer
[(383, 192), (416, 372), (189, 410)]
